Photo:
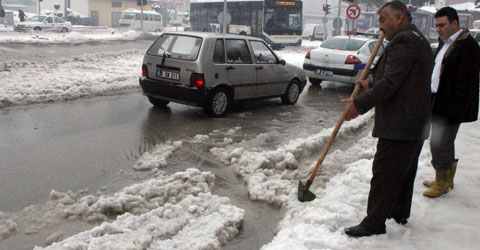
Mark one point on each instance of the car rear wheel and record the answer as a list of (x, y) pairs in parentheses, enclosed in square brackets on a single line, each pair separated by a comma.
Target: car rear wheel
[(315, 81), (293, 92), (64, 30), (157, 102), (37, 29), (218, 103)]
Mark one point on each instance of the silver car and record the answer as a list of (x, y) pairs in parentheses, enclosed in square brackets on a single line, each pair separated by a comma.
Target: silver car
[(213, 70)]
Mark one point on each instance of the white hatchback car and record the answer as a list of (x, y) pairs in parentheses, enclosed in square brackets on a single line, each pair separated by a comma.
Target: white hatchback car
[(213, 70), (44, 22), (340, 59)]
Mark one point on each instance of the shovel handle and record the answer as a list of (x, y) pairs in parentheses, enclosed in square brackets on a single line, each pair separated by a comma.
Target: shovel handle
[(342, 118)]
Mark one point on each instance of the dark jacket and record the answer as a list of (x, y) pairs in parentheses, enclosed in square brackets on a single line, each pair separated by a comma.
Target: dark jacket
[(457, 94), (2, 12), (400, 91)]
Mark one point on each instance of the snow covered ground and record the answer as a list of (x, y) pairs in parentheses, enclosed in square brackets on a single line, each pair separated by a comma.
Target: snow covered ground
[(179, 211)]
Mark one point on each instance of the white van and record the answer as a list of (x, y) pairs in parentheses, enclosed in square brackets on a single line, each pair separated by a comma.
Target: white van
[(152, 21), (313, 32)]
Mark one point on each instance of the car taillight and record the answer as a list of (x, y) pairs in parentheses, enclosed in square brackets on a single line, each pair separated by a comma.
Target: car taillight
[(144, 71), (352, 60), (307, 56), (197, 80)]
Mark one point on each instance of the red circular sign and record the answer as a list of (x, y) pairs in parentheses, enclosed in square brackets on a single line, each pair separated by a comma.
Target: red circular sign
[(353, 11)]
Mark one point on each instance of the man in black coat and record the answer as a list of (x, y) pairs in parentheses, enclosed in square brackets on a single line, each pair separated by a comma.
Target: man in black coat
[(454, 95), (400, 94)]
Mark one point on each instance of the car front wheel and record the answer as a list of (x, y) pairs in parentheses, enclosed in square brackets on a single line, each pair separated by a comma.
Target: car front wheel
[(293, 92), (217, 103), (158, 102)]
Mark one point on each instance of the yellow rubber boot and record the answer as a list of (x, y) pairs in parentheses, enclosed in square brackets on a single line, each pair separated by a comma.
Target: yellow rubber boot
[(453, 169), (428, 183), (440, 185)]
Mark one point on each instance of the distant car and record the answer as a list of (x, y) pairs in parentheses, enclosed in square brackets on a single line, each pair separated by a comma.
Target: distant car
[(313, 32), (44, 22), (340, 59), (434, 47), (212, 70), (475, 34)]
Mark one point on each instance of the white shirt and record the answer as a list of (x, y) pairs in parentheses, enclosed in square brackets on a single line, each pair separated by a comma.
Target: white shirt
[(439, 59)]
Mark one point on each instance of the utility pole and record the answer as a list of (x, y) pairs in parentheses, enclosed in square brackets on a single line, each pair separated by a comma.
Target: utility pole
[(224, 16), (39, 6), (337, 29)]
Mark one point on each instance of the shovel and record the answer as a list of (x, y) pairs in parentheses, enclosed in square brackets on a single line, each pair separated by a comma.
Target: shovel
[(304, 194)]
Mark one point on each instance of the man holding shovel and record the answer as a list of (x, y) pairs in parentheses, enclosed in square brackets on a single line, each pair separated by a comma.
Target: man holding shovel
[(400, 94)]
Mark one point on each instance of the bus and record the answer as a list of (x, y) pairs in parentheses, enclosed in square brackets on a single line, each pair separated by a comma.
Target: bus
[(278, 22), (152, 21)]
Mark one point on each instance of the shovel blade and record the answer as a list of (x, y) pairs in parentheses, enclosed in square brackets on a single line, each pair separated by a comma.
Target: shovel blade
[(304, 195)]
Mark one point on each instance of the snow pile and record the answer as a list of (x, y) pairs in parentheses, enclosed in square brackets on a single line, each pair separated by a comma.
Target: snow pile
[(158, 157), (174, 211), (69, 78), (7, 226), (272, 176), (136, 199), (74, 37)]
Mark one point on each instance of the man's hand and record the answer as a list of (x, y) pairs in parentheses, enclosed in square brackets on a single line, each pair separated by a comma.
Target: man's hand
[(351, 111), (363, 85)]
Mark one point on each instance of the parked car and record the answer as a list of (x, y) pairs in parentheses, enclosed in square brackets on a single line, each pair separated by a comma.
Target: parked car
[(213, 70), (44, 22), (476, 34), (313, 32), (340, 59)]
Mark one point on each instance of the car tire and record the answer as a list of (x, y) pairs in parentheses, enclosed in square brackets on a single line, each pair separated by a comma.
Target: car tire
[(64, 30), (310, 38), (217, 103), (293, 92), (158, 102), (37, 29), (315, 81)]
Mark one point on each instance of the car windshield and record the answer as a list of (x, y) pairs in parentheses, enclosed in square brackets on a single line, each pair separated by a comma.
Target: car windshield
[(343, 44), (176, 46), (37, 18)]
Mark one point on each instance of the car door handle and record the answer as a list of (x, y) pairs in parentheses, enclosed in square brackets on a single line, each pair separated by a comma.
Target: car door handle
[(258, 67), (229, 68)]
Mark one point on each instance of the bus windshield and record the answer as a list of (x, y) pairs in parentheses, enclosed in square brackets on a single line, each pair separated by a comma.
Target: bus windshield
[(283, 21)]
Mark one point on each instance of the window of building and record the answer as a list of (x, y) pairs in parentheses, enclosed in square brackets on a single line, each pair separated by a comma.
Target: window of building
[(117, 4)]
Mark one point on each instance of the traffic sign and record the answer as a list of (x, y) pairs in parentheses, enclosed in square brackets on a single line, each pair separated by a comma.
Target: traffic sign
[(353, 11), (337, 23), (227, 16)]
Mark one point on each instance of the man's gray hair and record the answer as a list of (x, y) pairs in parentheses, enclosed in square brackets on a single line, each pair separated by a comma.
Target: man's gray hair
[(396, 7)]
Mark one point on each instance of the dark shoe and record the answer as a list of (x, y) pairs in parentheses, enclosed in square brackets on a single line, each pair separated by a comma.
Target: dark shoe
[(360, 231), (401, 221)]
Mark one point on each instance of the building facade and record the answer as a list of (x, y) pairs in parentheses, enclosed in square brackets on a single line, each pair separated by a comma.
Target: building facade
[(108, 12)]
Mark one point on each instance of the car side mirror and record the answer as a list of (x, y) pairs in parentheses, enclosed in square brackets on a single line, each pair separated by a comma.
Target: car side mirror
[(282, 62)]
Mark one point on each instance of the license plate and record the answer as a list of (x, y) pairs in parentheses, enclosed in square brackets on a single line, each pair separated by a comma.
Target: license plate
[(168, 74), (324, 72)]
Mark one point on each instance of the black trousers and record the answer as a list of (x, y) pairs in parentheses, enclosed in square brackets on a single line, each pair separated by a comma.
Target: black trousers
[(391, 188), (442, 142)]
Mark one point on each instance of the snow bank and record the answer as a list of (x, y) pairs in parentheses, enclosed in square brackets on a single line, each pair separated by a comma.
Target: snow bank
[(205, 221), (162, 213), (69, 78), (272, 176), (73, 37), (158, 157)]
